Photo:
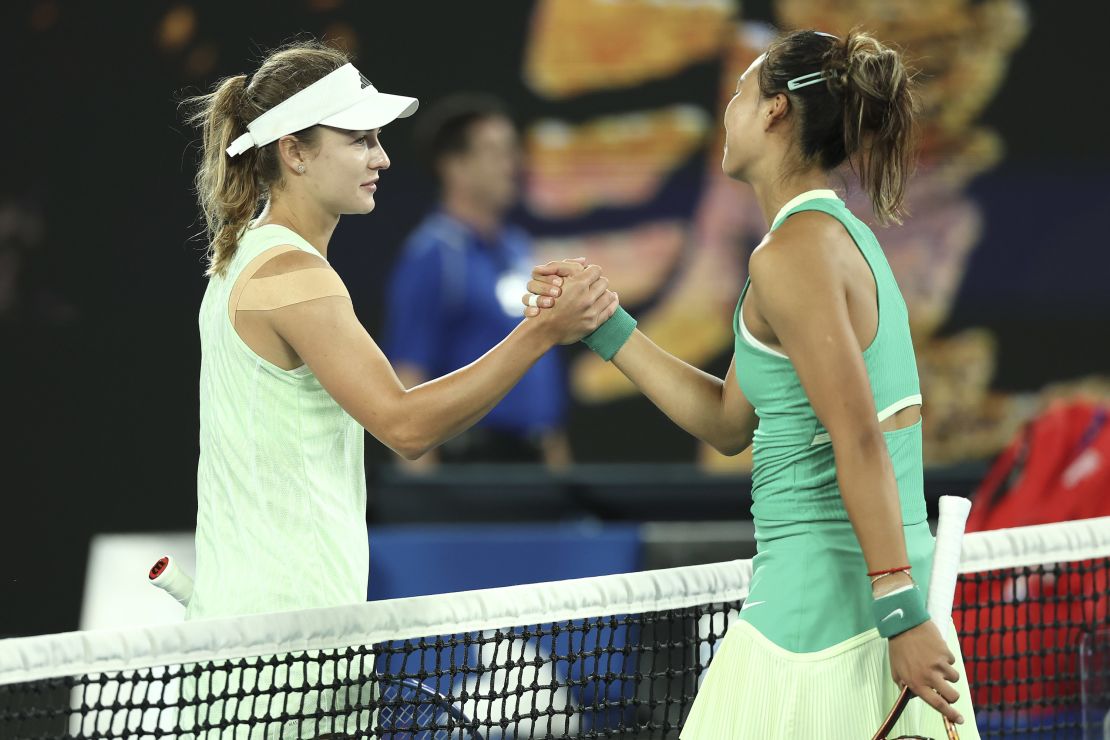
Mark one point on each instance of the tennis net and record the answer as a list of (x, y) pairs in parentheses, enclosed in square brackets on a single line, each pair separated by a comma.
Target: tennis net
[(613, 656)]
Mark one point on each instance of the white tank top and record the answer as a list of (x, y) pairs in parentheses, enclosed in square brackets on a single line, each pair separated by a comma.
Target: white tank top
[(281, 487)]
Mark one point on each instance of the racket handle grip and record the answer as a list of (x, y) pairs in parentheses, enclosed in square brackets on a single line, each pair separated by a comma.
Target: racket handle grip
[(166, 575), (946, 560)]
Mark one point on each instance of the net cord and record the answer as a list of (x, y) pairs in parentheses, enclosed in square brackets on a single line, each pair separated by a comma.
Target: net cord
[(105, 651)]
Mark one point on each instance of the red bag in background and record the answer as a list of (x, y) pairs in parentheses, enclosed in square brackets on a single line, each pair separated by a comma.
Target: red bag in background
[(1057, 469)]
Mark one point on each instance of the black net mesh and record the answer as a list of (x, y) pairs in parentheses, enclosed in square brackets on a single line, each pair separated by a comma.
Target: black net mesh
[(1034, 641)]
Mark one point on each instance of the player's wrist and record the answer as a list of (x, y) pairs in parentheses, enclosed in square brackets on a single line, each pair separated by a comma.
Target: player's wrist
[(608, 338), (899, 610), (885, 584), (538, 335)]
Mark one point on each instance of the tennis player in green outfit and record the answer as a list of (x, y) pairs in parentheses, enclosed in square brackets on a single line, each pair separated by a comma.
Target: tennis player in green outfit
[(824, 384)]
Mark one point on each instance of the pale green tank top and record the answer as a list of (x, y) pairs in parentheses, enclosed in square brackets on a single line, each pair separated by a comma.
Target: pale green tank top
[(281, 487), (794, 471)]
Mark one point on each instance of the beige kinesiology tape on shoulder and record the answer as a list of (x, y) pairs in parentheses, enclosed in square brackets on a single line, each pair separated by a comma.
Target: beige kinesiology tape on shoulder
[(279, 291)]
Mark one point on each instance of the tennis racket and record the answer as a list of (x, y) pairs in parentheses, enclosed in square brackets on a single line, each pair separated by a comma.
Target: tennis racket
[(942, 590), (410, 710), (166, 575)]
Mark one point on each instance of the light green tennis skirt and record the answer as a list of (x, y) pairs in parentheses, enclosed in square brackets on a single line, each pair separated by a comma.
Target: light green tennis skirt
[(804, 660), (755, 690)]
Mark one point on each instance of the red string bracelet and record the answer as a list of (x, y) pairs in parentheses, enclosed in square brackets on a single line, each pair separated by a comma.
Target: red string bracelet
[(888, 571)]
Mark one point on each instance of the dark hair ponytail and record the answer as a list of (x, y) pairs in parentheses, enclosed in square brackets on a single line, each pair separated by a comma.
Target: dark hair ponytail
[(864, 111)]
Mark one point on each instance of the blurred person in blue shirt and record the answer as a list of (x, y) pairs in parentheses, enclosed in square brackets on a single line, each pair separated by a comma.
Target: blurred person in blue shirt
[(455, 291)]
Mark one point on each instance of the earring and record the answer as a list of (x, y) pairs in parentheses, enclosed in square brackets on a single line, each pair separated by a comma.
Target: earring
[(300, 168)]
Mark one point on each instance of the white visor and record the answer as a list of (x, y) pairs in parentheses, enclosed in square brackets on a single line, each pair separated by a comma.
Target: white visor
[(343, 99)]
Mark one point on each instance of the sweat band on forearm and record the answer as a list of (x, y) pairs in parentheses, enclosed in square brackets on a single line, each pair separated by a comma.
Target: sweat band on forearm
[(899, 611), (608, 338)]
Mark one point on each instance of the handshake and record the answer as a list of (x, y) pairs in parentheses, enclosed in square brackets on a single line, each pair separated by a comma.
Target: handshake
[(570, 299)]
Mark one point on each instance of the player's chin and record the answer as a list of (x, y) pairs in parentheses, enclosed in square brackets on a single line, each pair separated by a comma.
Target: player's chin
[(364, 204), (731, 169)]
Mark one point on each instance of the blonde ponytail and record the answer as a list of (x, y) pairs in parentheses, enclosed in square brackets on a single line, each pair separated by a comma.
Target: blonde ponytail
[(230, 190)]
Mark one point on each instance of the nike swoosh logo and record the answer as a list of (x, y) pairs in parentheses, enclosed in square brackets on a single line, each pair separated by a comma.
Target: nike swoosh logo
[(895, 613), (751, 603)]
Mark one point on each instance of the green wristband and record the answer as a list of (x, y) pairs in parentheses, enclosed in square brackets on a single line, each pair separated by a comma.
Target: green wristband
[(899, 611), (608, 338)]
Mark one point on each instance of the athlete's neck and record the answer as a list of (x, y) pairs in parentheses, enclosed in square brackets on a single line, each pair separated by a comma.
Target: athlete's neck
[(773, 195), (311, 222), (481, 217)]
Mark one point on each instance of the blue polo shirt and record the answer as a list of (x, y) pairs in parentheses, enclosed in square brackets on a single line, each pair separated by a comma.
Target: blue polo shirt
[(453, 295)]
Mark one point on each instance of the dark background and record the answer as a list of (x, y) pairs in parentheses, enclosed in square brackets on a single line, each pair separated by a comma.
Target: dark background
[(101, 353)]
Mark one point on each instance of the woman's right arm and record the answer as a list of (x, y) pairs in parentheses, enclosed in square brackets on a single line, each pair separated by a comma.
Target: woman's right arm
[(711, 409), (328, 337)]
